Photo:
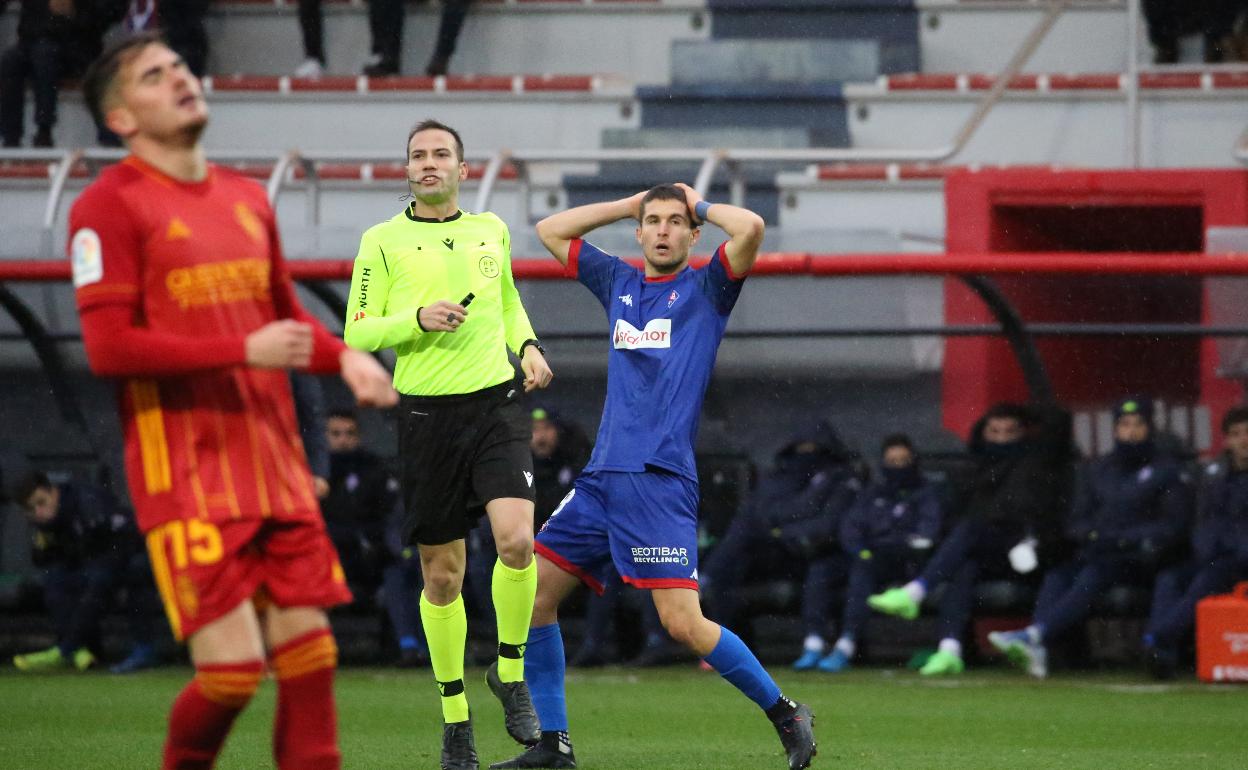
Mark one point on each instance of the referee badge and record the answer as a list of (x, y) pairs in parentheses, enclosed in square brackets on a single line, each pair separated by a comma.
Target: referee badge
[(488, 266)]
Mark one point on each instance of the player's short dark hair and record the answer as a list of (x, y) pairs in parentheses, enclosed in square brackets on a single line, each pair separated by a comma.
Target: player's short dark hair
[(28, 484), (665, 192), (1008, 411), (343, 413), (896, 439), (429, 124), (1234, 417), (102, 73)]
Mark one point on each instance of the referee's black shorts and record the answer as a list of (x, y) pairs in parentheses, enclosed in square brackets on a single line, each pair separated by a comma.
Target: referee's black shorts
[(458, 453)]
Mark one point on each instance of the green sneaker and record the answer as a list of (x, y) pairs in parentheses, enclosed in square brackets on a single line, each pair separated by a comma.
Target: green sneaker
[(40, 661), (83, 659), (943, 664), (894, 601)]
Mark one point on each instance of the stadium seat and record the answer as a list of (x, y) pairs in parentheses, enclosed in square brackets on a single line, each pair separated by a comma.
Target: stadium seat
[(1057, 118), (272, 113), (980, 36), (540, 36)]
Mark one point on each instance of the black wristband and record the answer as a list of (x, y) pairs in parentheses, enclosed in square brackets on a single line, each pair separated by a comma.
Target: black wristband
[(419, 325), (534, 343)]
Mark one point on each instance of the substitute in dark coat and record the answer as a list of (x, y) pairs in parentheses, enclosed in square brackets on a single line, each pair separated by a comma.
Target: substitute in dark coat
[(1219, 549), (885, 537), (789, 522), (1130, 516), (1005, 516), (82, 540)]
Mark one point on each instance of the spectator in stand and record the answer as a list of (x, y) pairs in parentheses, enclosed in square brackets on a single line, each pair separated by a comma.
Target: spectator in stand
[(886, 536), (1008, 510), (385, 21), (56, 40), (82, 541), (1130, 516), (312, 31), (180, 21), (1215, 20), (183, 25), (360, 510), (1219, 547), (790, 521)]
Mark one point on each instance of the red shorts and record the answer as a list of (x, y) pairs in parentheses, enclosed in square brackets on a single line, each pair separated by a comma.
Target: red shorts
[(205, 569)]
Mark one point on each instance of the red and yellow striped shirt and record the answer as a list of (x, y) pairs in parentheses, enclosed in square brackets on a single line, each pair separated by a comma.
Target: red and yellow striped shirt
[(171, 277)]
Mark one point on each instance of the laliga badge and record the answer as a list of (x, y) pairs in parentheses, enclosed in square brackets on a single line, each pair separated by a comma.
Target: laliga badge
[(86, 258)]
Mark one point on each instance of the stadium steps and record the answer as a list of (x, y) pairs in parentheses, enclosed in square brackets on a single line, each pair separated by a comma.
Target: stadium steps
[(866, 196), (274, 113), (263, 37), (352, 196), (619, 179), (706, 137), (1188, 118), (774, 61), (981, 36), (818, 107), (892, 23), (771, 64)]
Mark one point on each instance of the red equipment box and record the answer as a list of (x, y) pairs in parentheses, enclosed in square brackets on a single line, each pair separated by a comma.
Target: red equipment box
[(1222, 636)]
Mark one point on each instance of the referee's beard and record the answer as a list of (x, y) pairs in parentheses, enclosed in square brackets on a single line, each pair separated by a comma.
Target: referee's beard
[(448, 193)]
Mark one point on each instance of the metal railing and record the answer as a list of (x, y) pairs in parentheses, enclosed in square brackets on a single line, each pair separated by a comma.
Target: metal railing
[(709, 161)]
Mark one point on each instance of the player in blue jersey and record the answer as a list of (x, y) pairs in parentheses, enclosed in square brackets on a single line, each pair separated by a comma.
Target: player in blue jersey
[(636, 504)]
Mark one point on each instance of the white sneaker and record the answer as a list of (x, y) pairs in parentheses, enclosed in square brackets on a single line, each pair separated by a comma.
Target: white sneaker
[(311, 68), (1032, 657)]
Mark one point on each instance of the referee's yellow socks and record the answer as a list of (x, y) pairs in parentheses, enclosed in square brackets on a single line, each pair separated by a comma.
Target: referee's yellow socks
[(446, 630), (513, 591)]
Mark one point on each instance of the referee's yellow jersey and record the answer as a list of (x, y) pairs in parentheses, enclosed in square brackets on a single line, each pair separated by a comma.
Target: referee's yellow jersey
[(408, 262)]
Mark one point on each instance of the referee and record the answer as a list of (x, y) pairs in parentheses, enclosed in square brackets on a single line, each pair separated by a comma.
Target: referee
[(463, 438)]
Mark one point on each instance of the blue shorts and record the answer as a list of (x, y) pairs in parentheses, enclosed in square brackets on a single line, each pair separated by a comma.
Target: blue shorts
[(644, 523)]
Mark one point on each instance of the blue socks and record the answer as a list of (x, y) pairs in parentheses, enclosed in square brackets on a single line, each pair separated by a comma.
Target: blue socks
[(734, 662), (543, 670)]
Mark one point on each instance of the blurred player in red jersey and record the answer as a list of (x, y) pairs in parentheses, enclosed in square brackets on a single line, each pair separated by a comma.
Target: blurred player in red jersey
[(185, 298)]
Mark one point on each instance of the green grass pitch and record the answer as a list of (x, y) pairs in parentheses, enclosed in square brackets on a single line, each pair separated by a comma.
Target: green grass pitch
[(676, 718)]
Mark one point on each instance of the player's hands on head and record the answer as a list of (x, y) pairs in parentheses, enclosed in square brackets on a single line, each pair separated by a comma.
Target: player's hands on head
[(634, 204), (537, 373), (442, 316), (368, 381), (284, 344), (691, 200)]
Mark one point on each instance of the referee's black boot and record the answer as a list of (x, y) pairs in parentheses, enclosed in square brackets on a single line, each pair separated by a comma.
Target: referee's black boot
[(518, 711), (459, 750), (552, 752), (797, 735)]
